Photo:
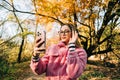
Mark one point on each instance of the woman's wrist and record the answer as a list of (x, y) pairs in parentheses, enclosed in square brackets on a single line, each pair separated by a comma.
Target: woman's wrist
[(71, 46), (35, 57)]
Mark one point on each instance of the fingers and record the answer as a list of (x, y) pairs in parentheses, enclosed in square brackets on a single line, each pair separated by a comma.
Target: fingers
[(39, 44), (74, 34), (37, 47), (37, 51), (37, 39), (74, 37)]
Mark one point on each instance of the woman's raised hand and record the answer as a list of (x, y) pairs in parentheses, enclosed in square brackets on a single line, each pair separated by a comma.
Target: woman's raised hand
[(38, 46), (74, 37)]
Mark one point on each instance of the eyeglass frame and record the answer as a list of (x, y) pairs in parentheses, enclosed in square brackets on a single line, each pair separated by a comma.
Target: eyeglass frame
[(64, 32)]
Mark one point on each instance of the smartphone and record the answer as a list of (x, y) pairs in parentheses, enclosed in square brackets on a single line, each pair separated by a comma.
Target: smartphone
[(42, 35)]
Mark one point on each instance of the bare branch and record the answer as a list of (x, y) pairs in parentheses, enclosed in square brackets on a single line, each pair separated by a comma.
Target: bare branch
[(1, 44), (7, 3), (83, 24), (3, 22), (22, 43), (103, 51), (82, 36), (115, 54), (6, 8), (107, 17), (15, 10), (108, 37)]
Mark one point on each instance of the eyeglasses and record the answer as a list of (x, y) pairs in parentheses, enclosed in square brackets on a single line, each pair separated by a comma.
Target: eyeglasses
[(64, 32)]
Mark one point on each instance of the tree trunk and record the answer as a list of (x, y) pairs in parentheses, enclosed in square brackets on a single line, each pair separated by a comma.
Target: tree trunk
[(20, 51)]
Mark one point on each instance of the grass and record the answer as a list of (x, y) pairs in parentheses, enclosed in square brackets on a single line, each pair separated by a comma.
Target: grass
[(15, 71), (95, 70), (94, 74), (22, 71)]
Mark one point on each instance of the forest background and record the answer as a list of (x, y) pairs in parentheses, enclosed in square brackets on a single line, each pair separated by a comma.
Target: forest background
[(96, 21)]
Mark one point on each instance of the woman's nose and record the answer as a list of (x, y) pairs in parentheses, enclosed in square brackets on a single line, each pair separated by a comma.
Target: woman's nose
[(64, 33)]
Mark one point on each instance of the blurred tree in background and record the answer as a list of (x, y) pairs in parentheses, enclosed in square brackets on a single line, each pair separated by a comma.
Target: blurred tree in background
[(97, 21)]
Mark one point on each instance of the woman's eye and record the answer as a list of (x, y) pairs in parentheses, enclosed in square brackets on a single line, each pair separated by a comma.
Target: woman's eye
[(67, 31), (61, 31)]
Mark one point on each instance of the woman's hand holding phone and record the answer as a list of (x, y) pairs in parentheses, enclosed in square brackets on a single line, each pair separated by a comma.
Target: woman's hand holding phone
[(39, 44)]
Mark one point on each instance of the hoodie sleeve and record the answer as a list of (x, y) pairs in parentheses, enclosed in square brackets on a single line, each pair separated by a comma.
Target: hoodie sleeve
[(39, 67), (76, 62)]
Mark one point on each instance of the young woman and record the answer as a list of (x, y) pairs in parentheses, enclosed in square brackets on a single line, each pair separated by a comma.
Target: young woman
[(62, 61)]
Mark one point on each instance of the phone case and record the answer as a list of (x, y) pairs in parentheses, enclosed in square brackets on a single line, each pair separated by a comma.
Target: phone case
[(42, 35)]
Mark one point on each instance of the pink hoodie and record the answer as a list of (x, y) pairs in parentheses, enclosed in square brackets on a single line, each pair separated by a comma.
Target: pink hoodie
[(60, 64)]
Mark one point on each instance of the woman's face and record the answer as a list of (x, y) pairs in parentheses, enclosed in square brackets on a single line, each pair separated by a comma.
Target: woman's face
[(65, 34)]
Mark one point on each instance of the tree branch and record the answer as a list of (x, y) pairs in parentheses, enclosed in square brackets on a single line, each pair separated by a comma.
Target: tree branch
[(1, 44), (82, 36), (103, 51), (15, 10), (83, 24), (108, 37), (116, 54), (3, 22), (107, 17), (22, 43), (7, 3)]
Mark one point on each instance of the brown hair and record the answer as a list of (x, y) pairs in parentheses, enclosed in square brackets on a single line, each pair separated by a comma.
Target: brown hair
[(71, 27)]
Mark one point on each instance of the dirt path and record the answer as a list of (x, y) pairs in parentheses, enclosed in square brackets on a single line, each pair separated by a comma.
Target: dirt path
[(31, 76), (26, 73), (96, 70), (35, 77)]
